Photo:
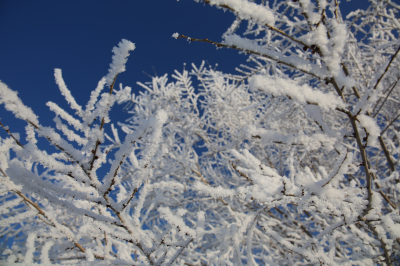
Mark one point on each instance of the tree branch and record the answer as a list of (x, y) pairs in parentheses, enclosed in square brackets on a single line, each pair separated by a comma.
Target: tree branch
[(41, 212), (364, 158), (280, 61), (281, 32), (387, 68)]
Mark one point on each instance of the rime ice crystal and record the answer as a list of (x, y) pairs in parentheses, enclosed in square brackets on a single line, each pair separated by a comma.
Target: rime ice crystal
[(297, 153)]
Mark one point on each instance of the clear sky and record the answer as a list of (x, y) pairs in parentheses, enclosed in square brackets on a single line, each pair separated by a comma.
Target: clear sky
[(77, 36)]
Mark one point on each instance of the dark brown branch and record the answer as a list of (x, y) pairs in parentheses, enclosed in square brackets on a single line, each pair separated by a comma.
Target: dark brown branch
[(179, 252), (387, 96), (101, 127), (387, 68), (245, 176), (130, 198), (114, 176), (394, 119), (338, 90)]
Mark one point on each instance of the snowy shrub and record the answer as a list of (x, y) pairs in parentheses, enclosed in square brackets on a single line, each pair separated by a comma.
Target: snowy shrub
[(292, 162)]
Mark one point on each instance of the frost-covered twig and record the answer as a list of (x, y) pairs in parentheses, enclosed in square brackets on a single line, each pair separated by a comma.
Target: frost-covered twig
[(308, 68), (387, 68)]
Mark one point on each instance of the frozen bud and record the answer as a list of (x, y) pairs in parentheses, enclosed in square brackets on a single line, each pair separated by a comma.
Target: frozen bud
[(175, 35)]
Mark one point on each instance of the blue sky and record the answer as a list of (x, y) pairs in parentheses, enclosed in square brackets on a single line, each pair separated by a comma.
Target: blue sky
[(77, 36)]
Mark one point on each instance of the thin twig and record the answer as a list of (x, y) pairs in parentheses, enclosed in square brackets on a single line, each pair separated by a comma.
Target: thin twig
[(383, 194), (9, 133), (207, 183), (130, 198), (270, 27), (387, 68), (118, 214), (387, 96), (101, 127), (394, 119), (337, 10), (245, 176), (328, 181), (60, 148), (249, 52), (41, 212)]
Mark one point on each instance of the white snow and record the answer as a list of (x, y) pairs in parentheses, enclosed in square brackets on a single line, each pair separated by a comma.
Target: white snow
[(301, 93), (372, 129), (119, 60), (175, 35), (248, 10)]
